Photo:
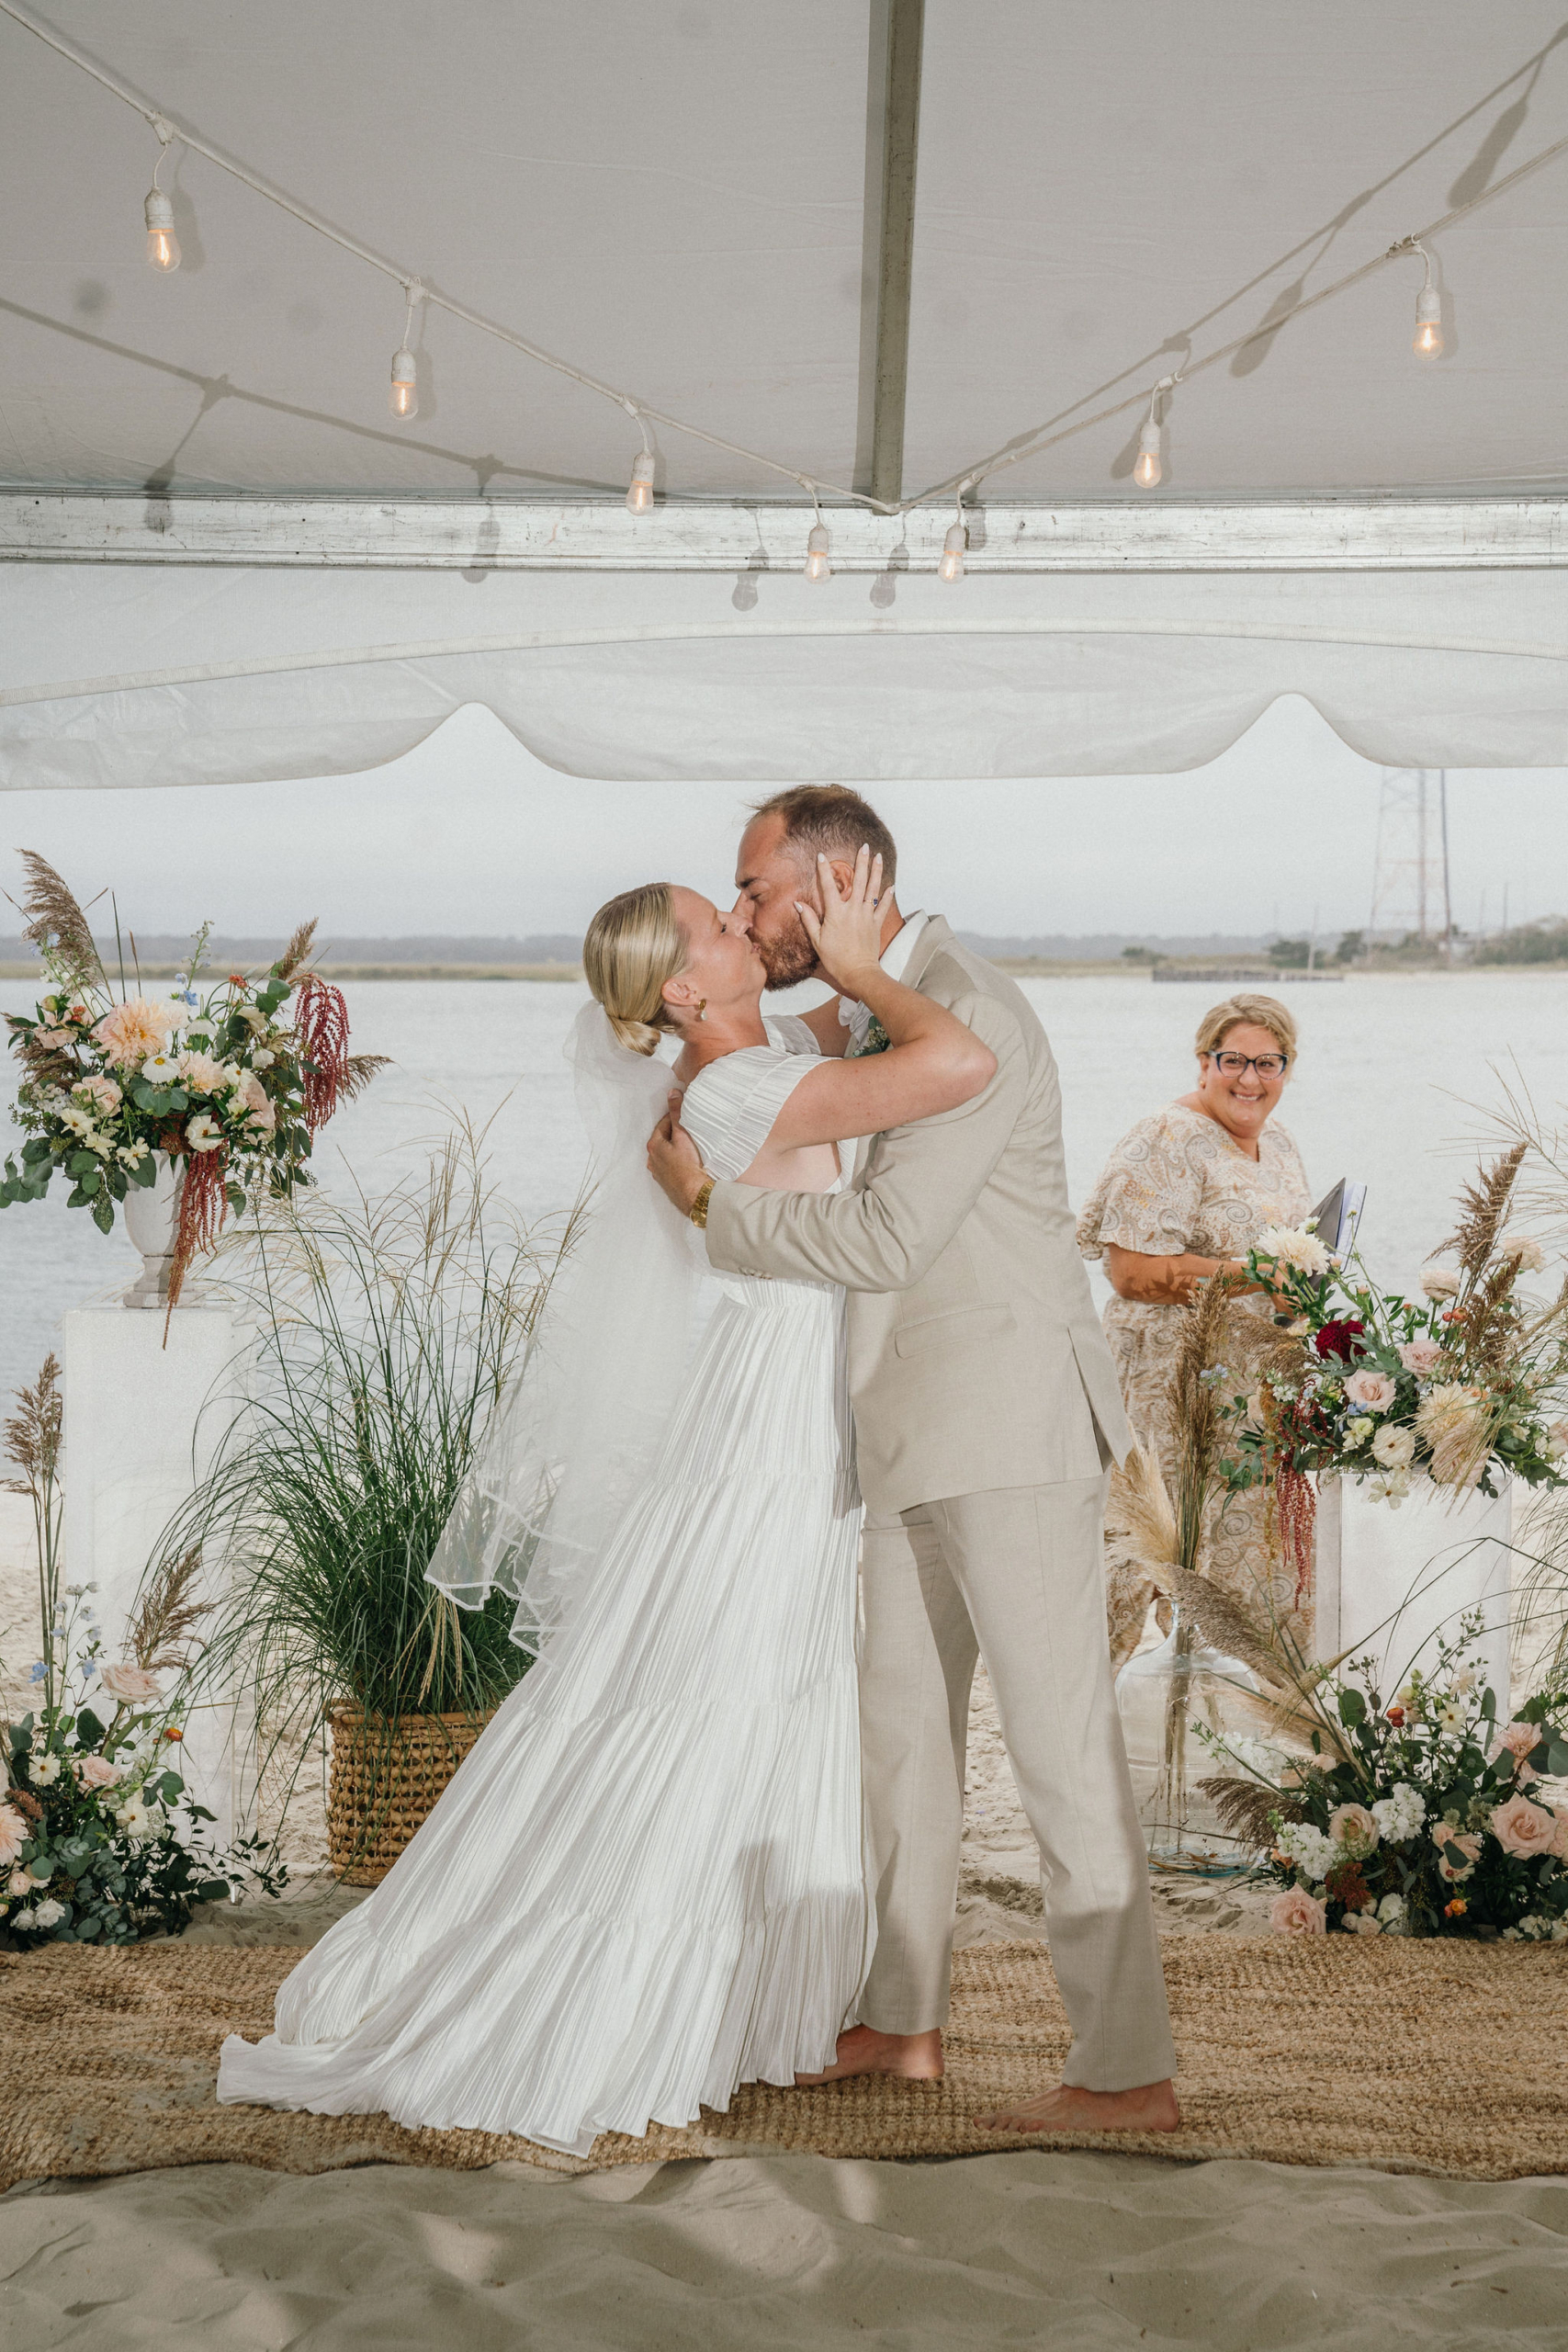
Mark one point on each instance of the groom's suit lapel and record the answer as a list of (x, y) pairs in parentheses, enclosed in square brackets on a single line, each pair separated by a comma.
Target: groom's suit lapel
[(937, 930)]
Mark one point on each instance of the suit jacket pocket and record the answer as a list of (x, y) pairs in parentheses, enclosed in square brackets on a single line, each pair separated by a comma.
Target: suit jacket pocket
[(965, 1327)]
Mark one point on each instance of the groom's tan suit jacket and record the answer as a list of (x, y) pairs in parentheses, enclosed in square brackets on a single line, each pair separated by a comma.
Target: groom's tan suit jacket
[(976, 1360)]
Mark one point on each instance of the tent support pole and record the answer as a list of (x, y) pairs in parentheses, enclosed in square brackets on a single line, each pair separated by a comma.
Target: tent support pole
[(892, 140)]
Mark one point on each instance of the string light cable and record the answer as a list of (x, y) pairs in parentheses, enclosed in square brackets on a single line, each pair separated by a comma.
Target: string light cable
[(159, 220), (1051, 435)]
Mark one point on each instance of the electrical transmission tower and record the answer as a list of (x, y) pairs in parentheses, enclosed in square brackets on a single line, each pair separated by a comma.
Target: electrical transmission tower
[(1410, 898)]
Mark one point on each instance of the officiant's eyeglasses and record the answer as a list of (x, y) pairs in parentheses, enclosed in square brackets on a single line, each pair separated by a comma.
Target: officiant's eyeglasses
[(1266, 1065)]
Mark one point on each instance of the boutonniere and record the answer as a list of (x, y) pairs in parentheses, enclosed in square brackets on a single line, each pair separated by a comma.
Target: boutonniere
[(875, 1041)]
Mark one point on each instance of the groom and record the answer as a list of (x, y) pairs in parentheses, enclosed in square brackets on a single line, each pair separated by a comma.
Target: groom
[(987, 1413)]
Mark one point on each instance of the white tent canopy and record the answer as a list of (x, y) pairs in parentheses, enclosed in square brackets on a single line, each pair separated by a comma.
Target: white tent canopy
[(230, 562)]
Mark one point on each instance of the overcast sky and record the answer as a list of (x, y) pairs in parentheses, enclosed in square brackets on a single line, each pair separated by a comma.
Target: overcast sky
[(469, 833)]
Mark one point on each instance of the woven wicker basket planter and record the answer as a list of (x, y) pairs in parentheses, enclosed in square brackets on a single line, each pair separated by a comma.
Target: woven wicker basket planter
[(383, 1785)]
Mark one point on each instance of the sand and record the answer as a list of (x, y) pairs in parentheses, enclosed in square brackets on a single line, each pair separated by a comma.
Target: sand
[(1039, 2249), (782, 2251)]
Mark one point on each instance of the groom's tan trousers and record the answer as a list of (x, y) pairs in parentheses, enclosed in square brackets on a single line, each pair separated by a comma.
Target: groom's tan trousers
[(1017, 1576)]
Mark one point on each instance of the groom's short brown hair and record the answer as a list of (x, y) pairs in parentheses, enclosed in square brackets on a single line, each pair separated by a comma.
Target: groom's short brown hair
[(832, 817)]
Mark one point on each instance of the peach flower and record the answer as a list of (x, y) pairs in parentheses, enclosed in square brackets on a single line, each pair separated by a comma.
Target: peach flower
[(1517, 1740), (1421, 1356), (204, 1075), (1523, 1829), (1353, 1827), (1468, 1845), (97, 1773), (13, 1833), (253, 1095), (1374, 1392), (135, 1030), (128, 1683), (1296, 1912), (102, 1092)]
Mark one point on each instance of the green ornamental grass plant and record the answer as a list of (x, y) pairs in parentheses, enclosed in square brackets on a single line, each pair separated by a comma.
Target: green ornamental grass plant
[(385, 1331)]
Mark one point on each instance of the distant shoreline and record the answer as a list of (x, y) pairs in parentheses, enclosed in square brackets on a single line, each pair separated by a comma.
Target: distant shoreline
[(1024, 968)]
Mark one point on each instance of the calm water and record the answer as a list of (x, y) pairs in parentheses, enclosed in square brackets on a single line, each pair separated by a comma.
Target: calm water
[(1390, 1069)]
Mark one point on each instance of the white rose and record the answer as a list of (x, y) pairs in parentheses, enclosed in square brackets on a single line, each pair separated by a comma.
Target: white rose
[(1440, 1282), (263, 1058), (1390, 1909), (1524, 1250), (24, 1921), (1394, 1447), (46, 1770), (48, 1913)]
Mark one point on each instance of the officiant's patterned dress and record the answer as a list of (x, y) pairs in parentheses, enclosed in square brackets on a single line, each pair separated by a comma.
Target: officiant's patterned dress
[(1178, 1182)]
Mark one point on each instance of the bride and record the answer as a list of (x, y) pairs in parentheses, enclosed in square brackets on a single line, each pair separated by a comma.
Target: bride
[(644, 1886)]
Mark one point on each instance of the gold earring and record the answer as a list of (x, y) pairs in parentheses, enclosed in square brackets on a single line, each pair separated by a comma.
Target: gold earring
[(701, 1007)]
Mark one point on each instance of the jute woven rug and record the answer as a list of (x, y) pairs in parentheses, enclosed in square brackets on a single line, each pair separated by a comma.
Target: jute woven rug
[(1443, 2058)]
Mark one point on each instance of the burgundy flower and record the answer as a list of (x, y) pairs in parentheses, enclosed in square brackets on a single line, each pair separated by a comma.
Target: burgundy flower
[(1340, 1338)]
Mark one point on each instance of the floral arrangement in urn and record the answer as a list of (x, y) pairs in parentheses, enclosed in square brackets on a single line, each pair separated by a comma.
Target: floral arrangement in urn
[(1422, 1815), (99, 1840), (1459, 1385), (227, 1088)]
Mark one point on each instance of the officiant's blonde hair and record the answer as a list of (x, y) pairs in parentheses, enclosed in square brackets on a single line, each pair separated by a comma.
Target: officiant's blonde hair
[(633, 945), (1246, 1010)]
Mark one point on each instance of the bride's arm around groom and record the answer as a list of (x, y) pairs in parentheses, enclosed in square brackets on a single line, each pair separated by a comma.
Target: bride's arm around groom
[(987, 1413)]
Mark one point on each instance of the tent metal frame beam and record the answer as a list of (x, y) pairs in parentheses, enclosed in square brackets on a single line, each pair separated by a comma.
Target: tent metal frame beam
[(892, 147), (598, 535)]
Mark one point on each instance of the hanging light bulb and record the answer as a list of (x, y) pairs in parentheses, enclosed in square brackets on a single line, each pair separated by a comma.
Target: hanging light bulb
[(639, 495), (163, 246), (1148, 469), (1429, 342), (817, 564), (952, 547), (403, 397)]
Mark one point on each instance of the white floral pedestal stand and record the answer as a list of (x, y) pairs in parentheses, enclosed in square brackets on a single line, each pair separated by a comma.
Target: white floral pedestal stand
[(136, 1440), (1421, 1566)]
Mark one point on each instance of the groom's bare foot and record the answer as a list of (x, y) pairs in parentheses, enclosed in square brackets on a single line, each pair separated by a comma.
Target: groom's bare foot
[(1151, 2107), (864, 2051)]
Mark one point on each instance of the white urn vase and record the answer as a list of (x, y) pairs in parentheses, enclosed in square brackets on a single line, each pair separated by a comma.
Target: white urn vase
[(151, 1222)]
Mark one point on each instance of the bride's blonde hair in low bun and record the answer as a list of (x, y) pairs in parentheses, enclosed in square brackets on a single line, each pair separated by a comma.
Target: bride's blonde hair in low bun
[(633, 945)]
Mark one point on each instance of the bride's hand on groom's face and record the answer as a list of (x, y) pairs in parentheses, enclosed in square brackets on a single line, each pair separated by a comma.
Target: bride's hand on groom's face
[(846, 935), (673, 1160)]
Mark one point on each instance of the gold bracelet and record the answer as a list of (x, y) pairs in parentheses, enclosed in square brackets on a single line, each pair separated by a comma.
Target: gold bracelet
[(698, 1212)]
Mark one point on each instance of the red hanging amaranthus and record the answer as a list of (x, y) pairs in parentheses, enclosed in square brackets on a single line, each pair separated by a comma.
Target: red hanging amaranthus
[(320, 1018), (1297, 1494), (204, 1204)]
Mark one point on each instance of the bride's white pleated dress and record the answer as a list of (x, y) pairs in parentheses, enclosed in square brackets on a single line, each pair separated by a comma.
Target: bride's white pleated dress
[(645, 1884)]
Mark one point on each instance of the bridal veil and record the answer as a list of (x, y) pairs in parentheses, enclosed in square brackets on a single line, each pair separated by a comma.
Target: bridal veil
[(576, 1432)]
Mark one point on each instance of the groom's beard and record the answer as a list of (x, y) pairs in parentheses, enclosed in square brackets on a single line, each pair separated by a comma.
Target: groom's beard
[(787, 961)]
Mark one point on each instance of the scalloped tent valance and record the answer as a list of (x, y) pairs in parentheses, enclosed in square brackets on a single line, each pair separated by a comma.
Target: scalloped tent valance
[(130, 673)]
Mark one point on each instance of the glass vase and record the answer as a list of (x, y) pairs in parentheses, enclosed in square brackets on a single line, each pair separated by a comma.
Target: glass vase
[(1160, 1694)]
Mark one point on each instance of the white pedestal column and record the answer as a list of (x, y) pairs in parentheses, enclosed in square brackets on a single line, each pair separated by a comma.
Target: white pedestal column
[(138, 1441), (1419, 1568)]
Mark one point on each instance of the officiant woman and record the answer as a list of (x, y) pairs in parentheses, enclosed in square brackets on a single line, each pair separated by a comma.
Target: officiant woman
[(1187, 1191)]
